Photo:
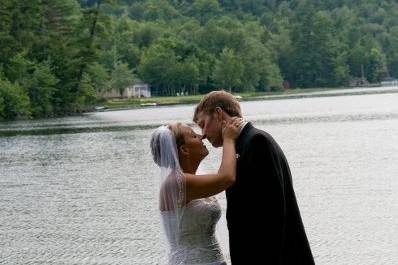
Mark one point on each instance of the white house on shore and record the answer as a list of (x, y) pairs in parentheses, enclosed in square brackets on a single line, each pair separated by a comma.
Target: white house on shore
[(138, 91), (141, 91), (389, 81)]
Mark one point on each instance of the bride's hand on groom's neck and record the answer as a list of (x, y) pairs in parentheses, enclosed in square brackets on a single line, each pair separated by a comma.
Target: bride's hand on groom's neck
[(231, 128)]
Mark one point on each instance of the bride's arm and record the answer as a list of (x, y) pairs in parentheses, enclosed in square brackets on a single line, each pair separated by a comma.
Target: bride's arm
[(202, 186)]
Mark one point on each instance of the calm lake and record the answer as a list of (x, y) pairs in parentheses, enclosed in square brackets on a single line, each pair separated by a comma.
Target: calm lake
[(81, 190)]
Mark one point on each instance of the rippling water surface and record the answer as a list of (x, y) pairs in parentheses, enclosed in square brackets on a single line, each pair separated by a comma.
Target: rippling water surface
[(80, 190)]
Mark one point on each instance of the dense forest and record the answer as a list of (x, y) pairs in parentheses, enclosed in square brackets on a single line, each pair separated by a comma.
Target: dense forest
[(56, 55)]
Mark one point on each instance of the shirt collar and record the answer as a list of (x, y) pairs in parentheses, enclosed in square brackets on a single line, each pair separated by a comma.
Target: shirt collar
[(243, 126)]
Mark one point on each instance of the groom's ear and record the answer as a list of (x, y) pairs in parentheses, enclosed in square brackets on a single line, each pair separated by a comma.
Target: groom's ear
[(218, 113)]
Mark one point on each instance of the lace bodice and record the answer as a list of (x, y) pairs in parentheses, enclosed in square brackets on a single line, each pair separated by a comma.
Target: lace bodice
[(194, 242)]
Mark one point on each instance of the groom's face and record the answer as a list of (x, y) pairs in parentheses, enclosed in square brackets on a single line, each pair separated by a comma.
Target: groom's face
[(211, 126)]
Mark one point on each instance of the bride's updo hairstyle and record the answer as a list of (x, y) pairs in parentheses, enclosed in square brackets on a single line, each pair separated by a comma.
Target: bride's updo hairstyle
[(165, 142)]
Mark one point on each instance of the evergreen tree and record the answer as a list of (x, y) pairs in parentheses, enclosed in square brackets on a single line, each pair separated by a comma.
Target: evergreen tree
[(41, 89)]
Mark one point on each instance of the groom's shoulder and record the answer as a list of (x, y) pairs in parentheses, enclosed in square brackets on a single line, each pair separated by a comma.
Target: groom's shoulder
[(259, 137), (262, 138), (258, 133), (252, 136)]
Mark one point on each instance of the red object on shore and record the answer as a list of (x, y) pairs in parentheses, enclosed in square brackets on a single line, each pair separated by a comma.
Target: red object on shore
[(286, 84)]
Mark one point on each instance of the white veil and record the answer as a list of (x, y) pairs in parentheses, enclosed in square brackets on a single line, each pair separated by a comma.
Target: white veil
[(171, 184)]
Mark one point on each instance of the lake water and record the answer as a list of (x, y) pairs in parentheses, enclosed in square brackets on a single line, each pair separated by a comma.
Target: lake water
[(80, 190)]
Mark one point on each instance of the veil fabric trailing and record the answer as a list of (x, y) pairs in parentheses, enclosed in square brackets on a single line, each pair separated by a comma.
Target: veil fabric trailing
[(171, 184)]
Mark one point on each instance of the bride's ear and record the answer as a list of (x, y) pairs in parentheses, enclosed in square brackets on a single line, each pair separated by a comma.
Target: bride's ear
[(183, 150)]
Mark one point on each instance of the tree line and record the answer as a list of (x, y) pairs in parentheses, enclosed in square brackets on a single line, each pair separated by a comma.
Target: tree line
[(56, 56)]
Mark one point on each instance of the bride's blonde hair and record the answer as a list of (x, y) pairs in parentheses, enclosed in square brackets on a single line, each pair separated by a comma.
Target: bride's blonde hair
[(175, 130)]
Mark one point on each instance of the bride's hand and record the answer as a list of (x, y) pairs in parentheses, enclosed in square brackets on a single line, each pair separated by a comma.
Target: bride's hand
[(232, 128)]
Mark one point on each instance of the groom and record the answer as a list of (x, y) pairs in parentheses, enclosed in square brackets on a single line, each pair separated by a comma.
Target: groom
[(263, 217)]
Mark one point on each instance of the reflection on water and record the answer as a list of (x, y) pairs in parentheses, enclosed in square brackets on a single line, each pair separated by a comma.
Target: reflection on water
[(80, 190)]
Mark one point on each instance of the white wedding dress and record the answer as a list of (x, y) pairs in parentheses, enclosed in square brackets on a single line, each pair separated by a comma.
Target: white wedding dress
[(194, 242)]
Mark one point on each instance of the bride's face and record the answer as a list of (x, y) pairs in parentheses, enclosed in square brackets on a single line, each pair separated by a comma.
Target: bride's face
[(193, 144)]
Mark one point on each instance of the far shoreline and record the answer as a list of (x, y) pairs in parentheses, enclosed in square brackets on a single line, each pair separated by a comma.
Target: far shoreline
[(154, 102)]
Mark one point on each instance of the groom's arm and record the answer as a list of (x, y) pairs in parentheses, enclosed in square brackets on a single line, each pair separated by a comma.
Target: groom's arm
[(269, 201)]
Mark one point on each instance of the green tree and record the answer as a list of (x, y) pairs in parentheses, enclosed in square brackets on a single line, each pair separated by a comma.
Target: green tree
[(100, 78), (59, 46), (19, 69), (314, 48), (123, 40), (213, 37), (205, 9), (376, 68), (158, 67), (41, 89), (121, 77), (357, 59), (20, 23), (260, 71), (2, 107), (14, 101), (228, 70), (159, 10), (97, 23), (147, 33), (187, 76), (86, 95)]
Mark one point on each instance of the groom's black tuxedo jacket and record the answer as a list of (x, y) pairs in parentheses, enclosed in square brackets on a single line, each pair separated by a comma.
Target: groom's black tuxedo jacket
[(264, 221)]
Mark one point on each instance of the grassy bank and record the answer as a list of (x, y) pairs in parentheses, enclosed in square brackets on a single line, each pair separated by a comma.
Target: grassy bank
[(159, 101)]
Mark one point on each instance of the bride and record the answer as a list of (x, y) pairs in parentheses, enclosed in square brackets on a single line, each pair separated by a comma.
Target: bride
[(189, 212)]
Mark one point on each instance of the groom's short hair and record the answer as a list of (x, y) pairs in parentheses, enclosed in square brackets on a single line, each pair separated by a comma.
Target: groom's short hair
[(226, 101)]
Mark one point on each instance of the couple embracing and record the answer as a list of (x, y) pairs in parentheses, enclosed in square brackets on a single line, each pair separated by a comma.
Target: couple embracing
[(263, 217)]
